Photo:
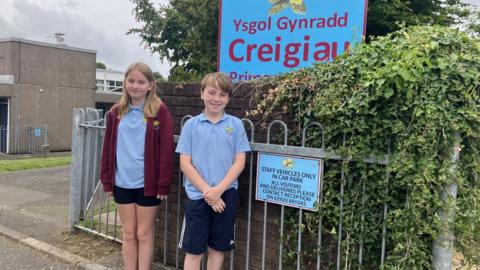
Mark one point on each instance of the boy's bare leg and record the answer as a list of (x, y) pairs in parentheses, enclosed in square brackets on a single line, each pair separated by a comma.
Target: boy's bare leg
[(192, 261), (145, 223), (215, 259), (128, 217)]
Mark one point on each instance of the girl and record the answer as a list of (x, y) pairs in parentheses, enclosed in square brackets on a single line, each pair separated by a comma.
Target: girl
[(137, 162)]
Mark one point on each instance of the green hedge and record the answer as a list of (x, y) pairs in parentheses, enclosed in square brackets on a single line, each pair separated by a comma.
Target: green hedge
[(411, 92)]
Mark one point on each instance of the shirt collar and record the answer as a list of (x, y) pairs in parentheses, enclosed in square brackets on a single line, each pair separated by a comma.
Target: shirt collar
[(203, 117), (138, 108)]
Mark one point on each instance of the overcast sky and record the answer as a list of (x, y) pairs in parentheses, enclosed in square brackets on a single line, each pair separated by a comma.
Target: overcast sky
[(475, 2), (99, 25)]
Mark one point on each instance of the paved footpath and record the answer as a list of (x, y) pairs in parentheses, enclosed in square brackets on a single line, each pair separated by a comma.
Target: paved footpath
[(12, 252), (34, 212), (35, 202)]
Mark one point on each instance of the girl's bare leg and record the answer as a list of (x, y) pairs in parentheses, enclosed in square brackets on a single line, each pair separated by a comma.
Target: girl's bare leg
[(145, 224), (128, 217)]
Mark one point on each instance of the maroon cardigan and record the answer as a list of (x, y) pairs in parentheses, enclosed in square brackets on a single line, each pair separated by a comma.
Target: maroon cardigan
[(158, 152)]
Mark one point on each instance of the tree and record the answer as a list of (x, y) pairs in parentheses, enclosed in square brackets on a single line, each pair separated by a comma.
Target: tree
[(185, 31), (101, 65), (384, 16)]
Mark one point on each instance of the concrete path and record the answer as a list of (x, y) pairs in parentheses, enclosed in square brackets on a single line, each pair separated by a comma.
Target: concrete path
[(35, 202), (13, 252), (34, 212)]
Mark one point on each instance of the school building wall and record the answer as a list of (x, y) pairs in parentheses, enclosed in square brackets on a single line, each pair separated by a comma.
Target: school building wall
[(49, 81)]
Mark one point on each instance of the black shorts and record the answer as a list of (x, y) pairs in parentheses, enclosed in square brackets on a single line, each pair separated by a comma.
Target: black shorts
[(203, 227), (134, 195)]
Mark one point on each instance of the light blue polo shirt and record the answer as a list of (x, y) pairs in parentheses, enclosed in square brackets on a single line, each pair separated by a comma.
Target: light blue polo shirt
[(212, 147), (130, 155)]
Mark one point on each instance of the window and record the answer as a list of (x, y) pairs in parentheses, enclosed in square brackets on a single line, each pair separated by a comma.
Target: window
[(100, 85), (113, 85)]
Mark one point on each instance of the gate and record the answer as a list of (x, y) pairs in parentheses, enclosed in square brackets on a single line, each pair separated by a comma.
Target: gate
[(20, 139), (23, 140), (260, 227)]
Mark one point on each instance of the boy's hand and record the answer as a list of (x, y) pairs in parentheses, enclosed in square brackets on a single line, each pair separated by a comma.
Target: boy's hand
[(218, 206), (212, 195)]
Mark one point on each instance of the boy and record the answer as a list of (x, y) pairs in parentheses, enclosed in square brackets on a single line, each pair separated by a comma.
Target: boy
[(212, 149)]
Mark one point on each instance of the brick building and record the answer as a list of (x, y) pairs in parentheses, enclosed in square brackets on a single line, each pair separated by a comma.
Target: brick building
[(40, 84)]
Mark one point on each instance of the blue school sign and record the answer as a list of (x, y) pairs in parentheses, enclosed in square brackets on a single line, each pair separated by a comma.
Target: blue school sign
[(265, 37), (288, 180)]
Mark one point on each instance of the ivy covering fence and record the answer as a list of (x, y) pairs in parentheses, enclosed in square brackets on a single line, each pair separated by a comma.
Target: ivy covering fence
[(413, 94)]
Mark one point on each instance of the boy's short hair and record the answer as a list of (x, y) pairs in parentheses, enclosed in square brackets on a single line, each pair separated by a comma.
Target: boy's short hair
[(217, 79)]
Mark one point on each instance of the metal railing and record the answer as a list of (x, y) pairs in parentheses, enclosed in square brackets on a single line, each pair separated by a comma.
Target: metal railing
[(23, 140), (260, 225)]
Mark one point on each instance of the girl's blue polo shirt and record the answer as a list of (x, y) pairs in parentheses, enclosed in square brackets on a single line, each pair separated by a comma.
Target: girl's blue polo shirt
[(212, 147), (130, 154)]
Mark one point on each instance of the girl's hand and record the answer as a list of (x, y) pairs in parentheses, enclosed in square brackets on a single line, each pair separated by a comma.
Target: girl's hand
[(162, 197), (109, 194)]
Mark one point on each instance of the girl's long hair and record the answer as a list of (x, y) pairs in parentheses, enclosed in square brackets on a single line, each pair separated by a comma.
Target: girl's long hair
[(152, 101)]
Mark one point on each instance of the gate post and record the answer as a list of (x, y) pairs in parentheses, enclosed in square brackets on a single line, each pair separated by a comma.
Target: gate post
[(443, 245), (76, 169)]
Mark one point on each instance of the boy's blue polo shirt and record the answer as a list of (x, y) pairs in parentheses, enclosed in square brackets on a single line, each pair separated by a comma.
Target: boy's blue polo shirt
[(129, 172), (212, 147)]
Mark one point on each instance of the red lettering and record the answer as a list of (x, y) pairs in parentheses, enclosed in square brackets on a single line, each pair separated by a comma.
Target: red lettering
[(237, 24), (322, 54), (291, 50), (290, 55), (306, 47), (250, 48), (334, 49), (231, 50), (277, 48), (332, 21), (263, 50), (346, 45), (343, 21)]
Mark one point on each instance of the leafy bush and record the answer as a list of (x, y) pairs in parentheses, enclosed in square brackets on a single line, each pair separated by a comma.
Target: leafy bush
[(415, 92)]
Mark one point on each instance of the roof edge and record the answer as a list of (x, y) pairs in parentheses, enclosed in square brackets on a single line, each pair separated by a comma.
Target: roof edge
[(46, 44)]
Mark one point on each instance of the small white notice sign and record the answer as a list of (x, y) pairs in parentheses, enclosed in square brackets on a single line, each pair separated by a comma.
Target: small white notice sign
[(6, 79)]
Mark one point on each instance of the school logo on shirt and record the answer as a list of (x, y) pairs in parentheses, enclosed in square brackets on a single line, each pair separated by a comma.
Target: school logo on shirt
[(155, 124), (229, 130)]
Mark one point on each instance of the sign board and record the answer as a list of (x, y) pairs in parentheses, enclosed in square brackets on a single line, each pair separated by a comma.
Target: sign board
[(6, 79), (288, 180), (37, 132), (265, 37)]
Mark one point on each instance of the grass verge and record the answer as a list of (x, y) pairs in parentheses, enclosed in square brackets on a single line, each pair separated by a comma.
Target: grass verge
[(32, 163)]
